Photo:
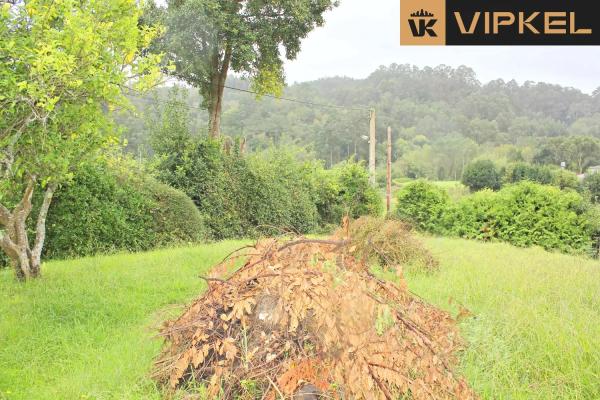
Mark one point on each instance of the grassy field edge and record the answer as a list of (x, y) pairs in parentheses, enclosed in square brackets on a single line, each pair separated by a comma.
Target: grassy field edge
[(87, 329)]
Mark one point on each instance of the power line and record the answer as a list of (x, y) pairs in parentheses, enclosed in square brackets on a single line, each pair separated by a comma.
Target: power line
[(299, 101), (259, 94)]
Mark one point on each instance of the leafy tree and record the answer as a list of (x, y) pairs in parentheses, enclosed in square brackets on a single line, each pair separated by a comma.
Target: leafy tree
[(579, 152), (512, 122), (481, 174), (208, 38), (582, 151), (63, 64)]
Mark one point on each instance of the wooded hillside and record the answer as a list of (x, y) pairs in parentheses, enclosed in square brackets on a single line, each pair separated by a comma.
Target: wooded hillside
[(442, 117)]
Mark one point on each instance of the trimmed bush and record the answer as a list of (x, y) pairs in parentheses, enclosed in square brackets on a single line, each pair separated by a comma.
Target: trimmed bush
[(104, 211), (176, 220), (481, 174), (472, 217), (422, 204), (525, 214)]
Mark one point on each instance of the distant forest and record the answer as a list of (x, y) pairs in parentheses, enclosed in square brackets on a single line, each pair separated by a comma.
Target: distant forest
[(442, 118)]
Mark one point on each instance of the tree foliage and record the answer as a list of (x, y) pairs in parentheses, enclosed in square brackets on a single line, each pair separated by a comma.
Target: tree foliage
[(481, 174), (442, 119), (208, 38), (578, 152), (592, 184), (63, 65), (266, 192)]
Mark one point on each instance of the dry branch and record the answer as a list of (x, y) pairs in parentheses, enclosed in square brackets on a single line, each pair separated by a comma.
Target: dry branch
[(309, 311)]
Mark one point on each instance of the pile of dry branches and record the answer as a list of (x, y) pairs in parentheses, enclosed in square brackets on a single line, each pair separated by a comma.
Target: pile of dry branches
[(389, 243), (307, 316)]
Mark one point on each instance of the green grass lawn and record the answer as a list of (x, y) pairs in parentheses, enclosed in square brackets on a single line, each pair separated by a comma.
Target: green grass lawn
[(536, 330), (85, 330)]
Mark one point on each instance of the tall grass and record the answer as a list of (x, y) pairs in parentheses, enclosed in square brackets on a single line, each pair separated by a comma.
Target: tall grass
[(536, 330), (86, 329)]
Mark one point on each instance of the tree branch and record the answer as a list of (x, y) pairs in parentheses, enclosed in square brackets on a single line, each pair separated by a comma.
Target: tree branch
[(9, 247), (40, 229), (25, 203), (22, 211), (4, 215)]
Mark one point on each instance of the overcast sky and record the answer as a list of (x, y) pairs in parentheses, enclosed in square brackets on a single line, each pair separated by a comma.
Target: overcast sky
[(361, 35)]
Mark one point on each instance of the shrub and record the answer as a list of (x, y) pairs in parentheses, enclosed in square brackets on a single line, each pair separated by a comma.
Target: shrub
[(422, 204), (563, 179), (481, 174), (279, 194), (530, 214), (266, 193), (355, 195), (175, 216), (591, 183), (105, 210), (98, 214), (526, 172), (472, 217), (525, 214)]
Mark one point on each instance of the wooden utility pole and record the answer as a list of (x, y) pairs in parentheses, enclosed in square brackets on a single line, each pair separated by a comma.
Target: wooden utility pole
[(372, 149), (389, 170)]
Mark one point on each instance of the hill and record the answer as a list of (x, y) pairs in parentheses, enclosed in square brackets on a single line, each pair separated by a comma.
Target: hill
[(442, 117)]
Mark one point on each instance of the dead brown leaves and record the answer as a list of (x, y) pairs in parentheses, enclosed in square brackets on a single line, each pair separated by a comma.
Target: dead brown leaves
[(308, 311), (389, 243)]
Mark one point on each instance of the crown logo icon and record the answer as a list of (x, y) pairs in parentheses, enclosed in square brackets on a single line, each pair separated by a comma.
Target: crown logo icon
[(422, 13)]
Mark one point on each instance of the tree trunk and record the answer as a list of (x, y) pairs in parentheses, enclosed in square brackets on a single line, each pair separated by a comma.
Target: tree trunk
[(14, 241), (217, 81)]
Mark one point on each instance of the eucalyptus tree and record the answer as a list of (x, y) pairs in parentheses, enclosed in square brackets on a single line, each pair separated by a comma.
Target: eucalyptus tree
[(63, 67), (206, 39)]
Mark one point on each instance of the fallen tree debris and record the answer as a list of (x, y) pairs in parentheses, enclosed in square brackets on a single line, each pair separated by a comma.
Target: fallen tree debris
[(305, 319)]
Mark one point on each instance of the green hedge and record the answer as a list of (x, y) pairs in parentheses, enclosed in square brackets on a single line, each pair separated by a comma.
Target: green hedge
[(523, 214), (266, 193), (472, 217), (422, 204), (104, 211), (527, 172), (530, 214)]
